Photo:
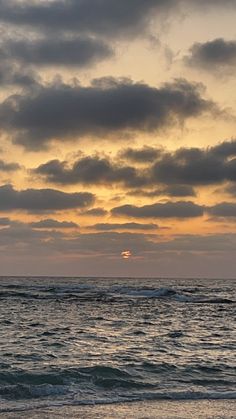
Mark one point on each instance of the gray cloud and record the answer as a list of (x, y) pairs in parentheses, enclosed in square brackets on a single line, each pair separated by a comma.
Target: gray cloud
[(19, 238), (230, 189), (175, 173), (214, 56), (225, 149), (110, 243), (35, 200), (104, 17), (4, 221), (124, 226), (181, 209), (95, 212), (108, 106), (223, 209), (53, 51), (25, 251), (53, 224), (8, 167), (171, 190), (179, 191), (16, 75), (88, 16), (194, 166), (142, 155), (89, 170), (200, 243)]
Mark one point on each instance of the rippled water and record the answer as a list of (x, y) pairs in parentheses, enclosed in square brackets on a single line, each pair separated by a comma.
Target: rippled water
[(84, 341)]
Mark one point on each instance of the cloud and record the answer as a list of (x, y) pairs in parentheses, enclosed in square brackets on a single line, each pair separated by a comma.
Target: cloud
[(36, 200), (107, 106), (200, 243), (230, 189), (223, 209), (89, 170), (26, 251), (179, 191), (195, 166), (103, 17), (181, 209), (8, 167), (13, 74), (171, 190), (141, 155), (95, 212), (172, 174), (216, 56), (53, 224), (124, 226), (78, 51), (4, 221), (21, 238), (107, 243)]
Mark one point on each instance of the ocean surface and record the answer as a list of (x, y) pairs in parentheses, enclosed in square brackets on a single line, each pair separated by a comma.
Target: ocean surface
[(83, 341)]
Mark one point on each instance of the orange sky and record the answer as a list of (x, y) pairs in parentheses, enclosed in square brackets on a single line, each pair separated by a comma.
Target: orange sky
[(118, 135)]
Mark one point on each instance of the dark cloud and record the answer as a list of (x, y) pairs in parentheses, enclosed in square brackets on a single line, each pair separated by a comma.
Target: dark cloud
[(179, 191), (16, 75), (20, 239), (149, 246), (53, 224), (124, 226), (230, 189), (4, 221), (142, 155), (175, 173), (89, 170), (223, 209), (107, 17), (95, 212), (104, 17), (109, 243), (225, 149), (8, 167), (200, 243), (108, 106), (36, 200), (181, 209), (195, 166), (171, 190), (214, 56), (54, 51)]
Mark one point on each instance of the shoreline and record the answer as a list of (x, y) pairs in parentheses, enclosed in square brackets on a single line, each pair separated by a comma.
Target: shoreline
[(198, 409)]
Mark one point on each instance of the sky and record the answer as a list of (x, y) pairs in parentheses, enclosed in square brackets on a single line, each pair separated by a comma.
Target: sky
[(118, 144)]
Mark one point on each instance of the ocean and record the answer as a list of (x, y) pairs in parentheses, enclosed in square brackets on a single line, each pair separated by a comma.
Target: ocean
[(99, 341)]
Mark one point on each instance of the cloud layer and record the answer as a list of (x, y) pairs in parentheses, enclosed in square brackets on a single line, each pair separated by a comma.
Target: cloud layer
[(37, 200), (108, 106), (180, 209), (53, 51), (175, 173), (103, 17), (217, 56)]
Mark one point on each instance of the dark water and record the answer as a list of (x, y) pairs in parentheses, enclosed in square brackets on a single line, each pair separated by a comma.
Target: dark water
[(85, 341)]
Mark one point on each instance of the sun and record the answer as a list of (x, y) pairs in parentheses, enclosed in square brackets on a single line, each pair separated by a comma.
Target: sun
[(126, 254)]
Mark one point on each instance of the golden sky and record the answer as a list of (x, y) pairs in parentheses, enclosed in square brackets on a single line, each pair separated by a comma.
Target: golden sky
[(118, 147)]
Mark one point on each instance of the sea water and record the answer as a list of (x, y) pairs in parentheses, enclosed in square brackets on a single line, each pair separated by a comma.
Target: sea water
[(82, 341)]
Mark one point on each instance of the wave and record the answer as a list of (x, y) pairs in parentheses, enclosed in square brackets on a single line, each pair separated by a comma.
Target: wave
[(85, 292), (141, 378), (149, 396)]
